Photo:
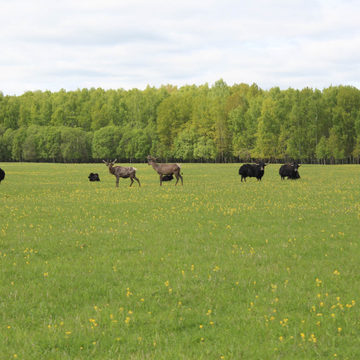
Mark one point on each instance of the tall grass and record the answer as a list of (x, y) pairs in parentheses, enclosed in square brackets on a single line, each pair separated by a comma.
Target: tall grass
[(216, 269)]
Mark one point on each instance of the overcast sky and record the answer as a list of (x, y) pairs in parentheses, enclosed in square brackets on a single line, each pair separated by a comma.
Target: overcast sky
[(71, 44)]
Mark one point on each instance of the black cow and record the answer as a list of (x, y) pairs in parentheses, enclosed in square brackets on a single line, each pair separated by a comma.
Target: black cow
[(167, 177), (2, 175), (252, 170), (290, 171), (94, 177)]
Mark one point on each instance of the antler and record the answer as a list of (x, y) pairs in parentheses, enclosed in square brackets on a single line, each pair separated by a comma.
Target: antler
[(149, 157)]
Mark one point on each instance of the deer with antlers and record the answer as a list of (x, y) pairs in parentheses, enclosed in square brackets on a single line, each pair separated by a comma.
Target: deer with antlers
[(121, 172), (165, 169)]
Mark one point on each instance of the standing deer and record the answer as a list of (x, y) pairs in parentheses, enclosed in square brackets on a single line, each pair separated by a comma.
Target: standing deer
[(122, 172), (165, 169)]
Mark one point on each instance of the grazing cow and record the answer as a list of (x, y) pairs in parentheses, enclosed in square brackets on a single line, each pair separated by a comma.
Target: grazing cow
[(290, 171), (252, 170), (2, 175), (94, 177)]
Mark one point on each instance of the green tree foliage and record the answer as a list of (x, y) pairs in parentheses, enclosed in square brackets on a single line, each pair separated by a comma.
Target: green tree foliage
[(105, 142), (74, 146), (32, 143), (6, 144), (52, 142), (205, 149), (219, 94), (335, 145), (17, 144), (267, 137), (243, 121), (190, 123), (173, 114), (135, 145), (184, 145), (322, 149)]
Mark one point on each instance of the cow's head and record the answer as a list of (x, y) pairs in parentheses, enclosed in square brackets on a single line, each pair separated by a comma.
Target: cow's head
[(295, 166), (261, 164)]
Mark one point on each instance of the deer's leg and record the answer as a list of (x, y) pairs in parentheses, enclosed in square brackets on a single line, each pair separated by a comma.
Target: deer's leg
[(137, 180), (177, 175), (117, 181), (161, 180), (132, 181), (181, 178)]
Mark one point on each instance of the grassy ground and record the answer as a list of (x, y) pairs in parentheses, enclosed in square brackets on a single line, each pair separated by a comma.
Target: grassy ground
[(216, 269)]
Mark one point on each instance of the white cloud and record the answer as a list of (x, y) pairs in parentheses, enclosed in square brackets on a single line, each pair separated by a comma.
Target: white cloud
[(118, 43)]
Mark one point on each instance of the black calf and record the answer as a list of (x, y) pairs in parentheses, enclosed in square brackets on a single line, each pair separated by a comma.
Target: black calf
[(167, 177), (94, 177)]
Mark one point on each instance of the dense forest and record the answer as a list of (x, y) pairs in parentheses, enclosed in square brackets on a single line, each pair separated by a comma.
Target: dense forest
[(190, 123)]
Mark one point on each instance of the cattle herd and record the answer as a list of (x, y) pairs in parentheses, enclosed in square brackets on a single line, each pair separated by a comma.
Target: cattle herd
[(289, 171), (168, 171)]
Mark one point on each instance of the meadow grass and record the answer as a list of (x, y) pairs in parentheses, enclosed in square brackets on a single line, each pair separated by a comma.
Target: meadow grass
[(216, 269)]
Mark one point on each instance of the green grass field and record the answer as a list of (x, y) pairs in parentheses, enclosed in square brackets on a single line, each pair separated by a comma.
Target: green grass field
[(216, 269)]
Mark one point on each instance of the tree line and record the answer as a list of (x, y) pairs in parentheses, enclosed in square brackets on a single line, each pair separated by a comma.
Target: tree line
[(190, 123)]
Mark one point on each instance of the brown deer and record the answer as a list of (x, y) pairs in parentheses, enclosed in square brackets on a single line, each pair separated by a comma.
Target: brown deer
[(121, 172), (165, 169)]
